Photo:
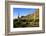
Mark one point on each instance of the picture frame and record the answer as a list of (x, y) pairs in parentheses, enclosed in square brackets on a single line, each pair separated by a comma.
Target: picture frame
[(9, 5)]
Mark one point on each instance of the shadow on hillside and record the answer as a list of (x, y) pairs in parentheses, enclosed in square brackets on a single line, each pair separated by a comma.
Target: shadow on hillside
[(25, 23)]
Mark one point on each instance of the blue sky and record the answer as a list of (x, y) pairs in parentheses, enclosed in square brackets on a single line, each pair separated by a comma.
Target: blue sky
[(23, 11)]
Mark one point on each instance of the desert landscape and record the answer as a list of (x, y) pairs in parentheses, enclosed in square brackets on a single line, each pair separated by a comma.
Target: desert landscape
[(30, 20)]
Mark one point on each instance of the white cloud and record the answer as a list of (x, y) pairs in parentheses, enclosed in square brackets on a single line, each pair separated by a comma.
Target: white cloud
[(16, 17)]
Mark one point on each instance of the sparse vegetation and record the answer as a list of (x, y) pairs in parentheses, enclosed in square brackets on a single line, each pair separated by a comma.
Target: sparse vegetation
[(27, 21)]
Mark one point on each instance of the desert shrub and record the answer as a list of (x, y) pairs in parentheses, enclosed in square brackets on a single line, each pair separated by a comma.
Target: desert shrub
[(23, 20), (30, 20), (37, 20)]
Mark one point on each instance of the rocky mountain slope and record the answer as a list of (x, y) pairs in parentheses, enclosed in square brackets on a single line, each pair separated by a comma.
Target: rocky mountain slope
[(31, 20)]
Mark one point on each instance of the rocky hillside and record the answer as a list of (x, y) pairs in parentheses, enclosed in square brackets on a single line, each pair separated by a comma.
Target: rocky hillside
[(32, 16), (31, 20)]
